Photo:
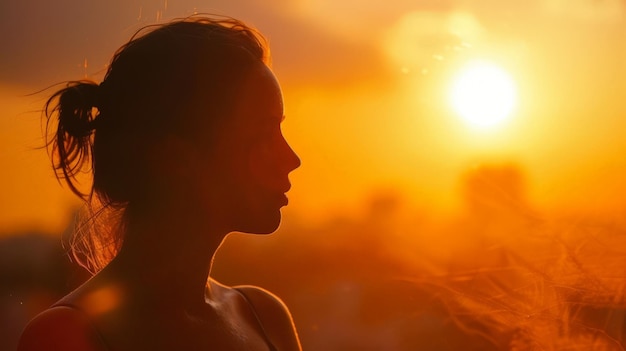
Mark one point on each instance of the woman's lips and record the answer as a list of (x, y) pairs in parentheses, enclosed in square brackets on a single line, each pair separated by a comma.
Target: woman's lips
[(284, 199)]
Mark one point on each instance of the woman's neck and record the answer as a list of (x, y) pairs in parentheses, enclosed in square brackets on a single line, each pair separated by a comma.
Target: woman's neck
[(168, 256)]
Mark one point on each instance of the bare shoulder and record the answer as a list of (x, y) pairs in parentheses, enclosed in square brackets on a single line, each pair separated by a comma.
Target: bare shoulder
[(60, 328), (274, 315)]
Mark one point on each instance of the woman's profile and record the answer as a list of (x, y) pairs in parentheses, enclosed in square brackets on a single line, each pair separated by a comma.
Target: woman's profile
[(184, 144)]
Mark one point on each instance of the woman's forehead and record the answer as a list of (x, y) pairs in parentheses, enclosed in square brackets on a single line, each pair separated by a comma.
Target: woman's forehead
[(260, 91)]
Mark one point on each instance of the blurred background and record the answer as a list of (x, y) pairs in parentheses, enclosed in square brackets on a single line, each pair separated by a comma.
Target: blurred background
[(462, 178)]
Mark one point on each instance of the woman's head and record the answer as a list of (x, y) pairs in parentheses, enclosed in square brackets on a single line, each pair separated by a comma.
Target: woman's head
[(183, 102), (177, 78)]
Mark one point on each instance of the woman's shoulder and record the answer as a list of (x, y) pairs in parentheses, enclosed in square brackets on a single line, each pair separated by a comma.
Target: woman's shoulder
[(60, 328), (273, 314), (263, 300)]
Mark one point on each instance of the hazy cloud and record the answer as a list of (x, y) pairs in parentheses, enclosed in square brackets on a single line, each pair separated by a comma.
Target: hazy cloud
[(586, 10), (418, 39)]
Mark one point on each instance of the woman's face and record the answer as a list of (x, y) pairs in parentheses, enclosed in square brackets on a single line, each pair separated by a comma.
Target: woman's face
[(253, 158)]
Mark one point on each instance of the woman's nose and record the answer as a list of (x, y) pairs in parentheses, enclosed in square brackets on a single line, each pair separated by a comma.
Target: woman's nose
[(291, 159), (295, 161)]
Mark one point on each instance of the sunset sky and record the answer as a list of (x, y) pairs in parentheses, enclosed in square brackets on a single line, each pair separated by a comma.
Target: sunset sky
[(366, 87)]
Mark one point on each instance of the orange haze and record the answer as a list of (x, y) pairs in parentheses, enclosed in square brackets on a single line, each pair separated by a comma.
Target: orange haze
[(366, 106)]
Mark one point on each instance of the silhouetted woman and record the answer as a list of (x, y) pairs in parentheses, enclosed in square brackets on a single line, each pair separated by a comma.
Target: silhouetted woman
[(184, 142)]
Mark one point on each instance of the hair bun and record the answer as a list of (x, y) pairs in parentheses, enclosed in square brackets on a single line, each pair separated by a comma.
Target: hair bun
[(76, 105)]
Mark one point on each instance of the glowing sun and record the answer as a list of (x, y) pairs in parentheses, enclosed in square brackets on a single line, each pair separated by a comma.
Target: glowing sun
[(483, 94)]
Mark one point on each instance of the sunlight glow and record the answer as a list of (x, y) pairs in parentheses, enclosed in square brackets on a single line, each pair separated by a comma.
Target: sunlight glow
[(483, 94)]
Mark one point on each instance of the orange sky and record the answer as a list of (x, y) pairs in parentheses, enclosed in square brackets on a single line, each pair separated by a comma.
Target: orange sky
[(365, 86)]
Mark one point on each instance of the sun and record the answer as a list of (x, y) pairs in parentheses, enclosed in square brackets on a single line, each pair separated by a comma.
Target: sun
[(483, 94)]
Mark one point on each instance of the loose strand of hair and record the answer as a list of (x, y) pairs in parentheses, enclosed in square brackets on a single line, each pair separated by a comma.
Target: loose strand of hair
[(95, 238)]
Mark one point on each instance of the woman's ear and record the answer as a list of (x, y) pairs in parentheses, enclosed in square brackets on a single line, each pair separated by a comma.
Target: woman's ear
[(171, 159)]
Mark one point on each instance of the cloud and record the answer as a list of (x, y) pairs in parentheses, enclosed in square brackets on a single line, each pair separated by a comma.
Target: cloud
[(586, 10), (418, 39), (357, 20)]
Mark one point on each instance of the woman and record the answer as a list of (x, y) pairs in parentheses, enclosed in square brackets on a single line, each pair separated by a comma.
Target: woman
[(183, 139)]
